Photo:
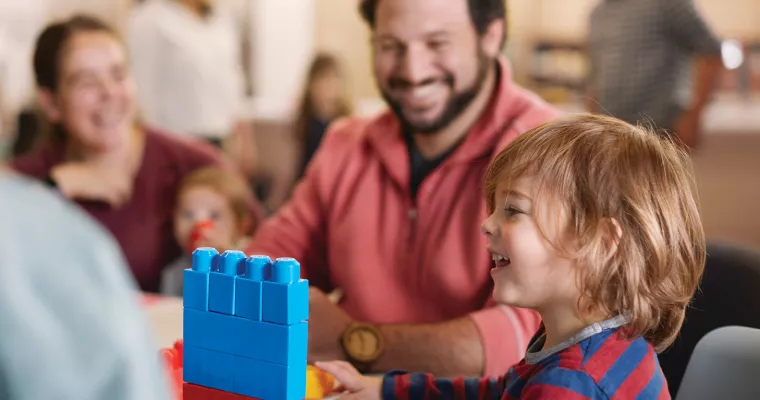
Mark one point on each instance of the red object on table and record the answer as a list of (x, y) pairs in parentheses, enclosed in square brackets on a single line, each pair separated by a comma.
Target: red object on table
[(173, 361), (187, 391), (197, 233), (195, 392)]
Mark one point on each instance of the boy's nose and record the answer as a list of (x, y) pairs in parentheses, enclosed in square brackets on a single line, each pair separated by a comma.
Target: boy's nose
[(487, 227)]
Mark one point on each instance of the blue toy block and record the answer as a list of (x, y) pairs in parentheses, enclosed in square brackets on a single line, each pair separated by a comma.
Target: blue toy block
[(196, 280), (248, 287), (285, 297), (270, 381), (258, 340), (244, 376), (221, 291), (208, 368), (205, 259)]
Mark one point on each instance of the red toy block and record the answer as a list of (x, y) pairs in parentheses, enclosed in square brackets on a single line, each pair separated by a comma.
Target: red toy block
[(195, 392), (173, 362)]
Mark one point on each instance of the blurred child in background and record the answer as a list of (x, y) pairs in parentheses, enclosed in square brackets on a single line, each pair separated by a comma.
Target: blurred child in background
[(213, 210), (324, 100)]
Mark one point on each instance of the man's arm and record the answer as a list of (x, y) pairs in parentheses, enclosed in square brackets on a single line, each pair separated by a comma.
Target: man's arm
[(486, 342), (708, 69), (446, 349), (689, 30), (297, 229)]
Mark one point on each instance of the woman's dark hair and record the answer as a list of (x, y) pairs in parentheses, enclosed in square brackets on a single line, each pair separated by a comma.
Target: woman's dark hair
[(52, 42), (321, 64), (482, 12)]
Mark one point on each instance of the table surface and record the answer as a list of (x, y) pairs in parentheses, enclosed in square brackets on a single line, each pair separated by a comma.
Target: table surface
[(165, 317)]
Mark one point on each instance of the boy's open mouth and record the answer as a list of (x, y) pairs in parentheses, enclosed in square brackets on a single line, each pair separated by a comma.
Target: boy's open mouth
[(500, 261)]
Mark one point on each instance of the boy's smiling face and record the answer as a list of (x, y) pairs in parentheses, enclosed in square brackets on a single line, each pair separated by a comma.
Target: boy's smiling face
[(528, 271)]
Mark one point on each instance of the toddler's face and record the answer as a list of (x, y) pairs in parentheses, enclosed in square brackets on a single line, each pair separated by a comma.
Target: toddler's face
[(202, 205), (528, 272)]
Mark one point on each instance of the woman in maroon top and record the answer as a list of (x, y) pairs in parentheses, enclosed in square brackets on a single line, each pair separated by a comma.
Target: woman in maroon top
[(123, 174)]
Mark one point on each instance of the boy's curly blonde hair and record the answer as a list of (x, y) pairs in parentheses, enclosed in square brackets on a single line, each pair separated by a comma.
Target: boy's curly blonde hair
[(605, 172)]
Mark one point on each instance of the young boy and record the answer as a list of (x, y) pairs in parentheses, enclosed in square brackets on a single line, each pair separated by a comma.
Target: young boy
[(593, 224), (213, 210)]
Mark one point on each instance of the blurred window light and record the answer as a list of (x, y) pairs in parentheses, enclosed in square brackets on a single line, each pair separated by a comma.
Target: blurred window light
[(732, 53)]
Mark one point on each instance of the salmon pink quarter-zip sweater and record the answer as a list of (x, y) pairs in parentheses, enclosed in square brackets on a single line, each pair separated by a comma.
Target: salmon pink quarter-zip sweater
[(353, 224)]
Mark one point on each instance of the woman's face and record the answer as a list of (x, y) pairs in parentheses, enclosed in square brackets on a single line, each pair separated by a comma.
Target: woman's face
[(95, 99)]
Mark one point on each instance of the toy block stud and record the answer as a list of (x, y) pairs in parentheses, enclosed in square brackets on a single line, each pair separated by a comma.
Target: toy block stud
[(196, 279), (221, 292), (285, 297), (248, 287)]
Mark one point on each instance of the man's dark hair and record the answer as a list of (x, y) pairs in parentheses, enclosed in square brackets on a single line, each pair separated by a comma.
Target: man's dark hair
[(482, 13)]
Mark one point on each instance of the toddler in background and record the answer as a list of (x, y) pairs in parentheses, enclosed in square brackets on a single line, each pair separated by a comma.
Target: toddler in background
[(213, 209), (593, 224)]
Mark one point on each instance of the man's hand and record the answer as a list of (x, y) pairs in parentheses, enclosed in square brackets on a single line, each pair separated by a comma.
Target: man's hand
[(327, 321), (359, 387), (687, 127)]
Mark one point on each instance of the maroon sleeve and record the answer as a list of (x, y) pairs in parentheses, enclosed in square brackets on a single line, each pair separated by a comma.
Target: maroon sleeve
[(36, 164)]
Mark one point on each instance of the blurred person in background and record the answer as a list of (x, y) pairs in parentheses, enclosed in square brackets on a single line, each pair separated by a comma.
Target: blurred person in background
[(69, 312), (189, 73), (390, 207), (324, 99), (121, 173), (641, 58)]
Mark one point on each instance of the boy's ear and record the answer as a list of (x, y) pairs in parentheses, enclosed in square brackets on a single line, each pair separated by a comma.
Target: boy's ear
[(49, 105), (612, 233)]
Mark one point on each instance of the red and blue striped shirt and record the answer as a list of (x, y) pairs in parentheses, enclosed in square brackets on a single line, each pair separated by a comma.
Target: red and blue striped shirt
[(604, 365)]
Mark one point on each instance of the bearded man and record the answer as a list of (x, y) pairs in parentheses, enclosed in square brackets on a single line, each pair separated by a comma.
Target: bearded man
[(389, 210)]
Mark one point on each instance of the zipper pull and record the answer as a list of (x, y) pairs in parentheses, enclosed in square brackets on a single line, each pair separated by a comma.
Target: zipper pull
[(412, 213)]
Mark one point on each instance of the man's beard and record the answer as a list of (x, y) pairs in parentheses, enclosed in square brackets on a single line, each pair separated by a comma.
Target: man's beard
[(457, 103)]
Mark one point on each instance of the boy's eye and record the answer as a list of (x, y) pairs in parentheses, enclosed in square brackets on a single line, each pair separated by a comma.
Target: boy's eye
[(186, 214), (511, 210), (215, 215)]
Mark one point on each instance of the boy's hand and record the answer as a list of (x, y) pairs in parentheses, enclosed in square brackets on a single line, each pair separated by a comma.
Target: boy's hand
[(358, 386)]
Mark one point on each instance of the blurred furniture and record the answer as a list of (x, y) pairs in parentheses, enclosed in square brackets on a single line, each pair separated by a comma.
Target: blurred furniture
[(725, 365), (729, 295), (558, 70)]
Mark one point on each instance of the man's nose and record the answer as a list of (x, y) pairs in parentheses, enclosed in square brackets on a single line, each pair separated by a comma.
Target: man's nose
[(416, 65)]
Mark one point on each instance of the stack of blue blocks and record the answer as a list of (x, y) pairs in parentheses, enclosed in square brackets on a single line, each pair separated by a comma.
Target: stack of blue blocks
[(245, 325)]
